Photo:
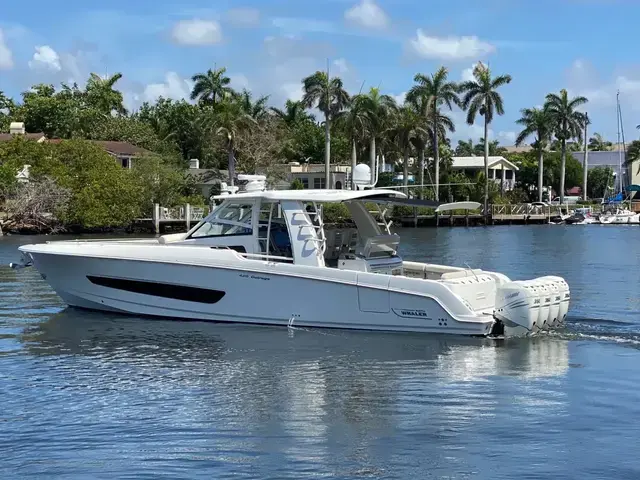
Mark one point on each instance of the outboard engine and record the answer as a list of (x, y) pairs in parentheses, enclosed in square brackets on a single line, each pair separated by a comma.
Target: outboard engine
[(525, 307)]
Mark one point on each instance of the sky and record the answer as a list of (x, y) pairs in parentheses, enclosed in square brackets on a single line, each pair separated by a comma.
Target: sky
[(268, 46)]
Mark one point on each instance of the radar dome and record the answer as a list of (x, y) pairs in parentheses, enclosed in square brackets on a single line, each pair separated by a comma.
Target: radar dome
[(362, 175)]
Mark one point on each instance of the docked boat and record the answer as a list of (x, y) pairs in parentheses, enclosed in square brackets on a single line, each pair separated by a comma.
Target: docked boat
[(266, 257), (619, 216), (582, 216)]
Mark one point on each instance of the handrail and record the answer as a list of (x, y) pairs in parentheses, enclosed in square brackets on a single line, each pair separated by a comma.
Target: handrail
[(262, 255)]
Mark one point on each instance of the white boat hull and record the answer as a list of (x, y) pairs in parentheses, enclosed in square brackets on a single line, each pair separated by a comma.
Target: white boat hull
[(271, 293), (201, 283)]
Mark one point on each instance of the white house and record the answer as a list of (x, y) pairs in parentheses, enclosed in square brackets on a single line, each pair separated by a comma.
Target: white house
[(499, 168)]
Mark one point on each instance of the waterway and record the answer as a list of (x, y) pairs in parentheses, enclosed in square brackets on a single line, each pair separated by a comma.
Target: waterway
[(89, 395)]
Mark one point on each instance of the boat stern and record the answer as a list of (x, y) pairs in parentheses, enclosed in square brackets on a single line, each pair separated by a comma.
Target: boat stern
[(528, 306)]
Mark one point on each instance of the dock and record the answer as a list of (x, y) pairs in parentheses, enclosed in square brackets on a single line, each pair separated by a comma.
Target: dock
[(507, 214), (164, 219)]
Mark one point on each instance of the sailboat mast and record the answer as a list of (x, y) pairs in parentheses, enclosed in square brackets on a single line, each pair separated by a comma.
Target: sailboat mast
[(619, 147)]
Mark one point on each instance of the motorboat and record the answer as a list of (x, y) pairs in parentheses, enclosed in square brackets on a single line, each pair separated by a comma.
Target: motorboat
[(582, 216), (266, 257)]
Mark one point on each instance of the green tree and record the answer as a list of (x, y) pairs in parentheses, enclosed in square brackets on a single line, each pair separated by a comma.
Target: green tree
[(553, 172), (159, 182), (293, 113), (435, 91), (633, 152), (102, 96), (566, 123), (465, 149), (255, 109), (599, 180), (331, 98), (354, 123), (536, 121), (185, 125), (134, 131), (406, 124), (228, 120), (598, 144), (377, 109), (211, 87), (481, 97), (297, 184)]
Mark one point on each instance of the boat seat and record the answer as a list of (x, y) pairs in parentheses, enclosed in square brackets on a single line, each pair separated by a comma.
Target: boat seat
[(478, 290), (461, 274), (429, 271)]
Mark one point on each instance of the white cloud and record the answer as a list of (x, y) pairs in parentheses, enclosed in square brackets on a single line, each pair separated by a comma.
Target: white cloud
[(239, 81), (467, 73), (583, 80), (367, 14), (293, 25), (464, 131), (449, 48), (507, 138), (399, 98), (45, 58), (197, 32), (341, 66), (173, 87), (292, 91), (244, 17), (6, 56)]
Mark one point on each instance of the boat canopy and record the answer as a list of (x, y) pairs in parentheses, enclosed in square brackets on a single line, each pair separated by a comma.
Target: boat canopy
[(379, 195), (319, 196)]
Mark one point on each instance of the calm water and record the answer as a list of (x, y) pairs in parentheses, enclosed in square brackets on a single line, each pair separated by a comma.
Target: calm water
[(86, 395)]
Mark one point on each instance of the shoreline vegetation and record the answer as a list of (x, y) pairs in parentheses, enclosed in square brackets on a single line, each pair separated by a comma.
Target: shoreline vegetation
[(75, 186)]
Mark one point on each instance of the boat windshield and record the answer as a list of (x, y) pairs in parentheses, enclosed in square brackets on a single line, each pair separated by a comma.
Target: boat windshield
[(230, 219)]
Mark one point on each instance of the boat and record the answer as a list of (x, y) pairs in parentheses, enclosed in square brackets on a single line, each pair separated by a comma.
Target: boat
[(619, 216), (582, 216), (264, 257)]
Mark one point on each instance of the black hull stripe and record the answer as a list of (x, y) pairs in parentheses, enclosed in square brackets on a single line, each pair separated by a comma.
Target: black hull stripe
[(156, 289)]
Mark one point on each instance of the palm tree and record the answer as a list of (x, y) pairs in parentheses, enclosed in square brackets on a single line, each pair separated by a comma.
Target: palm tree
[(258, 109), (354, 122), (535, 121), (633, 152), (331, 98), (435, 91), (101, 94), (211, 87), (598, 144), (481, 97), (292, 114), (229, 120), (406, 125), (566, 123), (376, 108), (465, 149)]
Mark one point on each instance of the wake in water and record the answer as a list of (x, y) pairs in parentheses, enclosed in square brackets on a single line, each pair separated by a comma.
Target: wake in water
[(600, 329)]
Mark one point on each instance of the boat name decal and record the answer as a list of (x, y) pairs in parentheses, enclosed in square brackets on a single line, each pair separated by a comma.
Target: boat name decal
[(512, 295), (255, 277), (402, 312)]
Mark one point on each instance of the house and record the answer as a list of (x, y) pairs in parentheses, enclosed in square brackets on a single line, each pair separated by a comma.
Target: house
[(498, 167), (123, 152), (614, 159), (311, 175), (207, 180), (17, 128)]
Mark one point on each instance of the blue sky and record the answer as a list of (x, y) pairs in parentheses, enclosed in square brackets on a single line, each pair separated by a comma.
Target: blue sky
[(585, 46)]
